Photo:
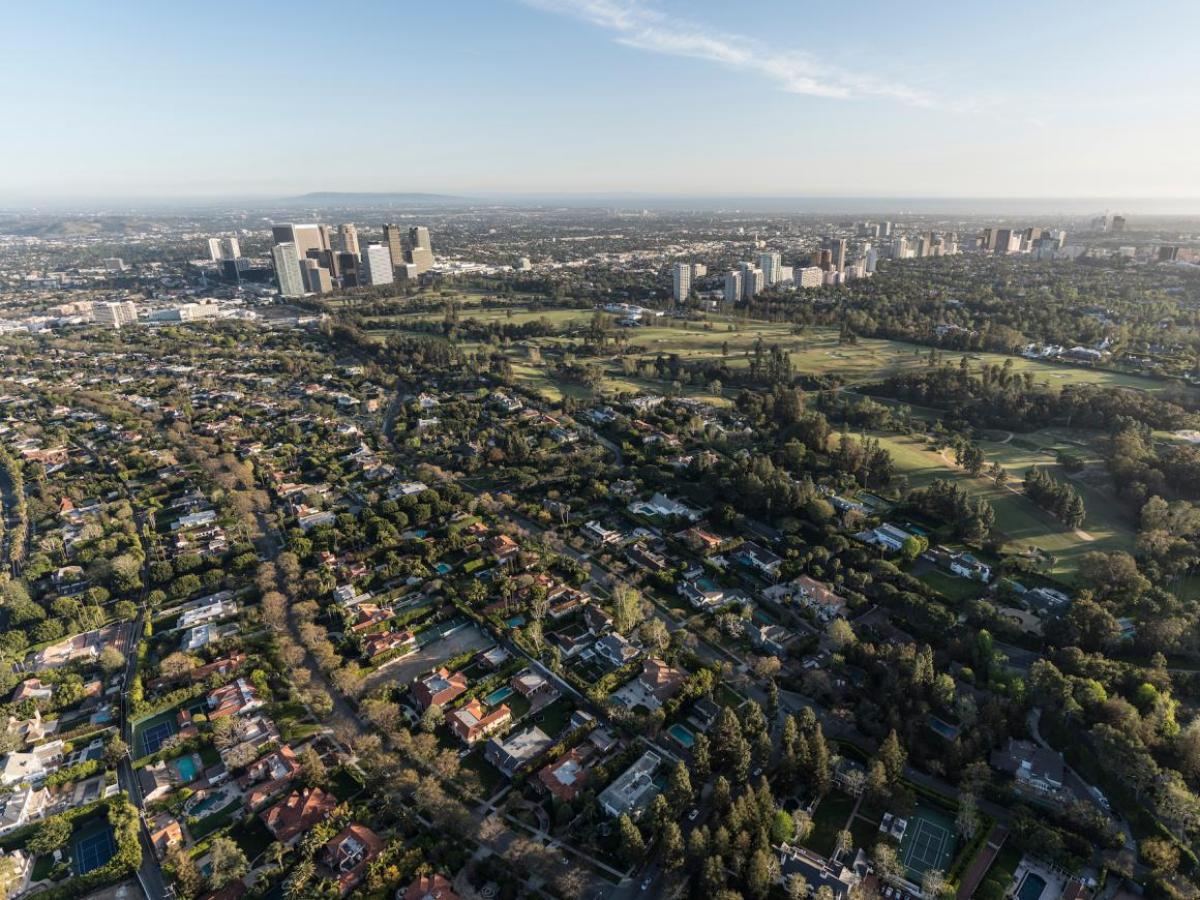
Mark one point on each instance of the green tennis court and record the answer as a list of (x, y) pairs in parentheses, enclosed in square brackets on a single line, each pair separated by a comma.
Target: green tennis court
[(928, 843)]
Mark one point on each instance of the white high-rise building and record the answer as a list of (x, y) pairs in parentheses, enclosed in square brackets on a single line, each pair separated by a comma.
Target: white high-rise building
[(231, 248), (770, 264), (733, 286), (752, 281), (377, 265), (114, 315), (214, 249), (811, 276), (682, 281), (287, 269), (699, 270)]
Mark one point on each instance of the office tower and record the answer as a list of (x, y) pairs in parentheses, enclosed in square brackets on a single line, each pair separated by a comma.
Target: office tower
[(1167, 253), (1118, 223), (699, 270), (824, 260), (419, 260), (885, 230), (681, 284), (347, 239), (316, 277), (304, 237), (872, 259), (1033, 234), (752, 281), (809, 276), (214, 249), (899, 248), (231, 248), (287, 269), (418, 236), (393, 239), (377, 265), (837, 248), (925, 245), (523, 264), (785, 275), (1004, 241), (733, 286), (114, 315), (769, 263), (347, 265)]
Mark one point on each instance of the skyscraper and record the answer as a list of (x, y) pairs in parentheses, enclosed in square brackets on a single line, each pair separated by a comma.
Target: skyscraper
[(223, 248), (114, 315), (837, 251), (770, 264), (214, 249), (316, 277), (682, 281), (733, 286), (287, 269), (304, 237), (418, 236), (376, 265), (752, 280), (347, 239), (393, 238)]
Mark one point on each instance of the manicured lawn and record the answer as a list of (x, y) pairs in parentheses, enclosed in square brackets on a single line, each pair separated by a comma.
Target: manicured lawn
[(217, 820), (832, 813), (553, 718), (252, 837), (953, 587)]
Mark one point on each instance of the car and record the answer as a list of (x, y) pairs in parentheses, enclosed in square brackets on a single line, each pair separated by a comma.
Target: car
[(693, 814), (756, 772), (646, 882)]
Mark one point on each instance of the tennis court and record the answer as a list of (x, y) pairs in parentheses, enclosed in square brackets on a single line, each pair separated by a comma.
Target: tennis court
[(93, 850), (928, 843), (155, 736)]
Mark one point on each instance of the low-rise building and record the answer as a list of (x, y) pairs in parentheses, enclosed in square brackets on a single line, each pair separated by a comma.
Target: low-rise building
[(472, 721), (517, 750), (630, 794)]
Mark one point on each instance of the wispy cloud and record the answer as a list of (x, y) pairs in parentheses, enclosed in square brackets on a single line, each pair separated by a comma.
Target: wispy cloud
[(634, 24)]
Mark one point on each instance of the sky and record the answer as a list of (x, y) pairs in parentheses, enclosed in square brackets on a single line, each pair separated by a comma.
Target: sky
[(182, 99)]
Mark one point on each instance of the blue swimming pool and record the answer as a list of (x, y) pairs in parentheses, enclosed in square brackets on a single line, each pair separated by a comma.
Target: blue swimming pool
[(500, 693), (443, 569), (1031, 887), (516, 622), (186, 767), (685, 738)]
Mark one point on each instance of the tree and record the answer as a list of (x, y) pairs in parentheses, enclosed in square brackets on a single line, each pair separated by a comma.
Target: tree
[(679, 789), (227, 862), (188, 880), (116, 751), (843, 843), (933, 883), (176, 665), (967, 820), (892, 755), (111, 660), (841, 633), (672, 846), (627, 608), (802, 825), (797, 887), (760, 874), (633, 847), (52, 834), (783, 828), (887, 864), (312, 766), (1160, 855), (432, 718), (655, 634)]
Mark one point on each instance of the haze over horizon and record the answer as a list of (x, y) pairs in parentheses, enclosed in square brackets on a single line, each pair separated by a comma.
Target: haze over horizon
[(608, 98)]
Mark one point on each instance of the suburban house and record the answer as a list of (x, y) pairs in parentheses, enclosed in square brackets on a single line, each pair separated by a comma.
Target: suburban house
[(472, 721), (534, 687), (615, 650), (348, 853), (633, 789), (430, 887), (501, 546), (1046, 601), (268, 776), (374, 645), (662, 506), (165, 833), (771, 639), (967, 566), (599, 536), (660, 679), (32, 766), (21, 806), (760, 559), (1034, 767), (566, 776), (516, 750), (298, 812), (817, 871), (703, 542), (887, 536), (439, 688), (208, 609), (370, 615), (233, 699)]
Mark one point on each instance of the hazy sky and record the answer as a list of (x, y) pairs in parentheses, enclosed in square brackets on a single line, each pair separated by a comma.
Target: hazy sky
[(1058, 98)]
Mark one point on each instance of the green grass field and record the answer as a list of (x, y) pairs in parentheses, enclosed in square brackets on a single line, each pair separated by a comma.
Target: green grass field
[(1018, 519)]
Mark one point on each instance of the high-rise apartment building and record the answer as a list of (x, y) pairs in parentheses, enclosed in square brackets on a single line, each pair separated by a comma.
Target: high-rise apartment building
[(393, 239), (811, 276), (681, 284), (286, 260), (376, 265), (752, 281), (214, 249), (316, 277), (733, 286), (770, 264), (699, 270), (224, 248), (418, 236), (837, 248)]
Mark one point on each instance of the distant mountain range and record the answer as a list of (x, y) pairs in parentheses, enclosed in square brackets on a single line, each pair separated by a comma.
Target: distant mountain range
[(353, 198)]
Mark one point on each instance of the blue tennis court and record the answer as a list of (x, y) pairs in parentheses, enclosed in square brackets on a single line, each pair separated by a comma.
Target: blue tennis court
[(155, 736), (94, 850)]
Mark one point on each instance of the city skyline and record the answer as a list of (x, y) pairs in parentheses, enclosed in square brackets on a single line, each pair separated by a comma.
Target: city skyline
[(605, 97)]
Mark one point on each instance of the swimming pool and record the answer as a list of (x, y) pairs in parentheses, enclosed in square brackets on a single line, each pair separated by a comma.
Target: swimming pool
[(186, 766), (443, 569), (500, 693), (516, 622), (1031, 887), (685, 738)]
